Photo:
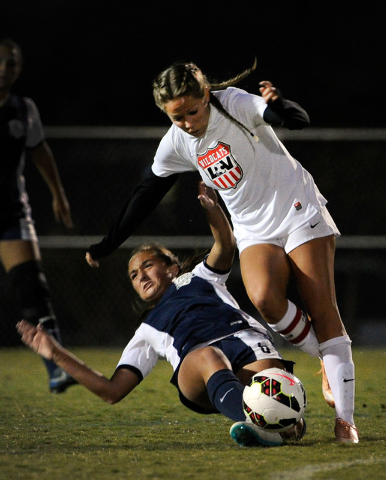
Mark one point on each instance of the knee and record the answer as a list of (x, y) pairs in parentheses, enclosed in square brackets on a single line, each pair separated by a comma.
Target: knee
[(202, 363), (212, 359), (265, 302)]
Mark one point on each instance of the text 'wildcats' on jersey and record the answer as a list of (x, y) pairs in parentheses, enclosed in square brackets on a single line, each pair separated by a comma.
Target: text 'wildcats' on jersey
[(220, 166)]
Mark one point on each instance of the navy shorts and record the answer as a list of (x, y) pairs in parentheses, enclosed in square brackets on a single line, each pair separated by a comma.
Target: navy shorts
[(18, 229), (242, 348)]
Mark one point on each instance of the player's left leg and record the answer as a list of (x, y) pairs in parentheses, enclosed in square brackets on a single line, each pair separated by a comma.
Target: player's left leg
[(313, 266), (21, 260), (266, 272), (206, 379)]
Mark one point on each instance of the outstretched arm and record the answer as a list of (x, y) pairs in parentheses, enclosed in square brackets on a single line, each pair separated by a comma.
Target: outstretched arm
[(112, 391), (280, 111), (222, 253), (146, 196), (45, 163)]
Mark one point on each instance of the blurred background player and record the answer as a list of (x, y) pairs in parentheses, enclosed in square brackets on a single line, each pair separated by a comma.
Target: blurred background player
[(193, 322), (21, 134), (279, 216)]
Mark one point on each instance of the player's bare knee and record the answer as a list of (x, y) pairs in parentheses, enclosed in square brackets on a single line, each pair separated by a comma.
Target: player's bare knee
[(267, 305)]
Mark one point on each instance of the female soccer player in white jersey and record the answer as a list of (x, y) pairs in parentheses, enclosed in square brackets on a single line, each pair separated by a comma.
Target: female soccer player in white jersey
[(20, 131), (279, 217), (193, 322)]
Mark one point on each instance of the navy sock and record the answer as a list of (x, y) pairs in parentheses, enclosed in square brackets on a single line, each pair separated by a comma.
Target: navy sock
[(226, 393)]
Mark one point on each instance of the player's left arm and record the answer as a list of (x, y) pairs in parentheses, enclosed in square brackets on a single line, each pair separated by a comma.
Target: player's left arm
[(222, 253), (280, 111), (46, 165)]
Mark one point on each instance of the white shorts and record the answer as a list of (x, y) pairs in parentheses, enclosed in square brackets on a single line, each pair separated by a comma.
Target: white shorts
[(320, 225)]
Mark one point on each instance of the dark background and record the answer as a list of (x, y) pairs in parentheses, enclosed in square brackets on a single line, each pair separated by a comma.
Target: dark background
[(91, 63)]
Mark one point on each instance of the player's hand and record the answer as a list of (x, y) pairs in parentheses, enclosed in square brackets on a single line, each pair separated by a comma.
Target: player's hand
[(62, 211), (37, 338), (93, 263), (268, 91), (207, 196)]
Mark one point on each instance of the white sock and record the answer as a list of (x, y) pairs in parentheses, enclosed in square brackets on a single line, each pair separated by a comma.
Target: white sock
[(296, 328), (337, 358)]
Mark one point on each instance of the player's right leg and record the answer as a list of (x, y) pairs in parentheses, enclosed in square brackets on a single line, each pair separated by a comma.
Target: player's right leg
[(313, 265)]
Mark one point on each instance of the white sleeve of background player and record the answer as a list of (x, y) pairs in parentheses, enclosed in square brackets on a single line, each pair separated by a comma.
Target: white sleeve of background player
[(139, 354), (171, 156), (35, 132), (244, 106)]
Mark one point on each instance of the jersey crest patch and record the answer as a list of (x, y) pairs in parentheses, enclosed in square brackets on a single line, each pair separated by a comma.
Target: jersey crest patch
[(220, 166), (184, 279)]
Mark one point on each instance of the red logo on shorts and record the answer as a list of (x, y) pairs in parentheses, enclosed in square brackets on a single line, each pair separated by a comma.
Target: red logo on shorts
[(220, 166)]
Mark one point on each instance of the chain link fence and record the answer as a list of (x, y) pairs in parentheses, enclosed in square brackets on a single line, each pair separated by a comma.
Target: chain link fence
[(94, 306)]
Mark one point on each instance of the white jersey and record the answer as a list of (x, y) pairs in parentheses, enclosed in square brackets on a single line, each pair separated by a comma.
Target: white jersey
[(266, 191)]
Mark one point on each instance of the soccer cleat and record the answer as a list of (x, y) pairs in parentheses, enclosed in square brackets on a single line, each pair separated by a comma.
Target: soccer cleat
[(60, 381), (247, 434), (345, 432), (296, 432), (326, 389)]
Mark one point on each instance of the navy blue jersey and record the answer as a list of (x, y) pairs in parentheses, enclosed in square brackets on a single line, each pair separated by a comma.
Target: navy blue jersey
[(20, 128), (195, 311)]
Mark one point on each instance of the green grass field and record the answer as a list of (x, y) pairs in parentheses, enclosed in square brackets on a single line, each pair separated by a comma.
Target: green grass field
[(150, 435)]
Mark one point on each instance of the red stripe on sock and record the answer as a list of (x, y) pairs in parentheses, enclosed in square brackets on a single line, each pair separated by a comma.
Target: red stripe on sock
[(293, 324), (303, 335)]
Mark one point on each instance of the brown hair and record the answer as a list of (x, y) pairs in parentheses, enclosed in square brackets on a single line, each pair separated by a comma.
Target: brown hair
[(158, 251)]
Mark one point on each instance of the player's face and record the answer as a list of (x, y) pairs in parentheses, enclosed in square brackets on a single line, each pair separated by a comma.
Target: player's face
[(189, 113), (9, 68), (149, 275)]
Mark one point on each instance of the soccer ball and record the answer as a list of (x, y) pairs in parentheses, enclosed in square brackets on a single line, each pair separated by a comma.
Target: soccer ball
[(274, 400)]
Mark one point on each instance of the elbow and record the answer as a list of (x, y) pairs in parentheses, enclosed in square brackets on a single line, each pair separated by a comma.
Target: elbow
[(111, 397), (298, 124)]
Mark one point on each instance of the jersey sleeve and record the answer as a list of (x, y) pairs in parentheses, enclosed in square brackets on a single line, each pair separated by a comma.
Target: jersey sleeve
[(171, 156), (138, 355), (35, 131), (245, 107), (287, 114), (202, 270), (143, 200)]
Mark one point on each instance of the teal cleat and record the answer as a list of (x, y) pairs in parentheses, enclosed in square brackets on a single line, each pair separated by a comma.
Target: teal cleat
[(247, 434)]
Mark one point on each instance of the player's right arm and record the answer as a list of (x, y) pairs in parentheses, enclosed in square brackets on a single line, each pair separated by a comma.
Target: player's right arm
[(110, 390), (144, 199)]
